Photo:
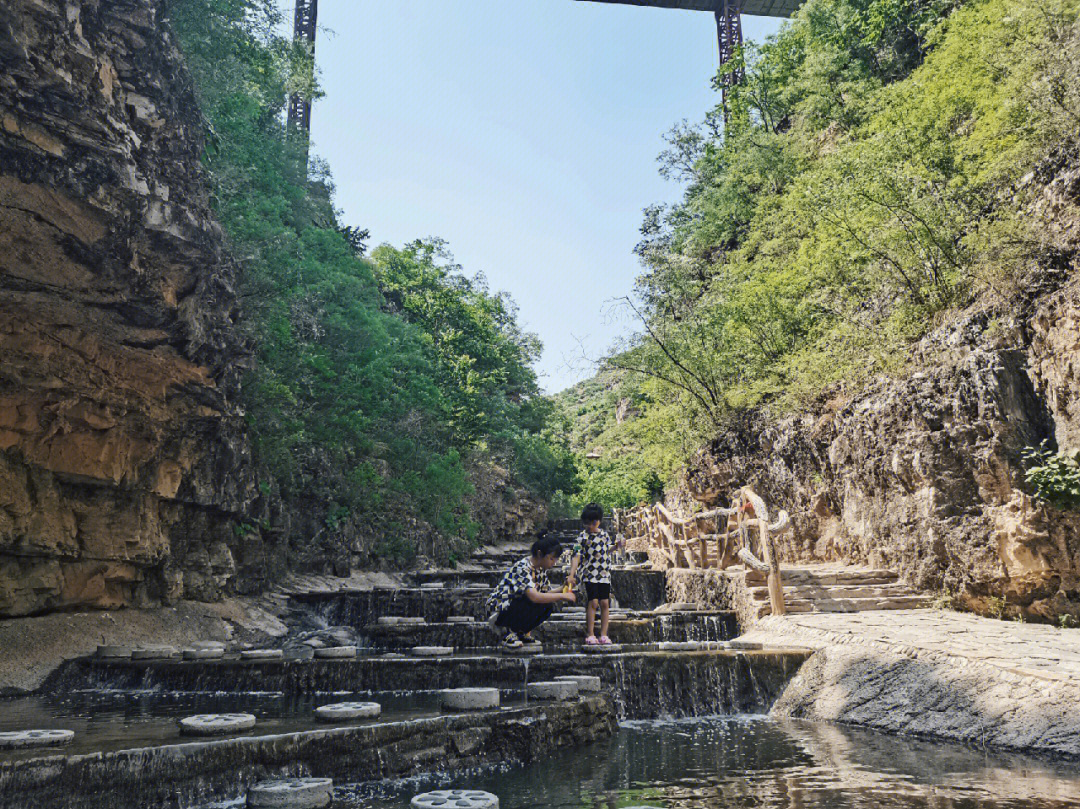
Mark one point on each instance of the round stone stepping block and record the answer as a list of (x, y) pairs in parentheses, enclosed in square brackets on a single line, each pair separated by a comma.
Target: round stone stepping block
[(114, 652), (470, 699), (553, 689), (21, 739), (432, 651), (348, 710), (291, 793), (680, 646), (262, 654), (526, 650), (598, 649), (461, 619), (216, 724), (433, 585), (456, 799), (203, 654), (400, 620), (153, 653), (585, 682), (336, 652), (207, 644), (744, 645)]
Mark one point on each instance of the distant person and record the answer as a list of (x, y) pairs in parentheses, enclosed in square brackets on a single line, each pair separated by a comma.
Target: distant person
[(522, 601), (592, 555)]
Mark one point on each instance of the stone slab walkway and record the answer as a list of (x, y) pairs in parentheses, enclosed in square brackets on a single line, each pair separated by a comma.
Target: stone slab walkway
[(1035, 650), (933, 673)]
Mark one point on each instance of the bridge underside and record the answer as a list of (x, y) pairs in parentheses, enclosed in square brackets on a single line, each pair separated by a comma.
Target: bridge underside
[(728, 15), (760, 8)]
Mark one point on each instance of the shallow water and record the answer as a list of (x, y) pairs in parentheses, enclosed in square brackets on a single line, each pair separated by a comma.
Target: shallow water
[(121, 720), (762, 763)]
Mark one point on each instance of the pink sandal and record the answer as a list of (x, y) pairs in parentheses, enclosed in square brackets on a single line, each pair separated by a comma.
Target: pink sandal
[(592, 641), (604, 640)]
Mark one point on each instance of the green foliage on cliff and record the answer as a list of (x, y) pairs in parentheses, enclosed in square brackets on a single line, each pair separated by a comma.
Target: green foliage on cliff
[(868, 184), (377, 382), (1054, 476)]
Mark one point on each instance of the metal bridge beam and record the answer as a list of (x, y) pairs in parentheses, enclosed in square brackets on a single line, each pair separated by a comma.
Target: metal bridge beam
[(304, 25), (729, 34)]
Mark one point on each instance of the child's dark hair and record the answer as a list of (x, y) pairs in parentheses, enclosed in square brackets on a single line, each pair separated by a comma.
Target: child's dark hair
[(546, 545), (592, 513)]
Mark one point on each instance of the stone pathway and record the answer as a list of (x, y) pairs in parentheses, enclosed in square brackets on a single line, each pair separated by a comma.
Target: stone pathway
[(941, 674), (1035, 650)]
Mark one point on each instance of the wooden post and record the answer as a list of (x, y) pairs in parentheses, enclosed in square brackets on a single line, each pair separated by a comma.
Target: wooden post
[(776, 589)]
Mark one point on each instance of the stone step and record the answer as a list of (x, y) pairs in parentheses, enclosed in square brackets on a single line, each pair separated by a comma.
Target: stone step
[(835, 592), (904, 602), (825, 577)]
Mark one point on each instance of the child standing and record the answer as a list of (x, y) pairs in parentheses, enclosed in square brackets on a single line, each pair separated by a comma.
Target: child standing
[(592, 554), (521, 601)]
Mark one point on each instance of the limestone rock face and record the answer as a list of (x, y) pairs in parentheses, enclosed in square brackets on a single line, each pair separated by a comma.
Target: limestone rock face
[(924, 474), (124, 466)]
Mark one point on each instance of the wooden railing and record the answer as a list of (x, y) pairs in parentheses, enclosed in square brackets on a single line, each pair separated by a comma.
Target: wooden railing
[(712, 539)]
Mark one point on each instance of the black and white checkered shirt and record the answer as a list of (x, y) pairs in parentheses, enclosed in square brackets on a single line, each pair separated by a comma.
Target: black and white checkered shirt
[(522, 576), (595, 565)]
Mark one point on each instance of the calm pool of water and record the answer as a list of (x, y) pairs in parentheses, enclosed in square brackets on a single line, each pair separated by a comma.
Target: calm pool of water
[(762, 763)]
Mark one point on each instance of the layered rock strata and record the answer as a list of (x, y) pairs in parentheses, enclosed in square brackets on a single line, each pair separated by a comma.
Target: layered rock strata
[(124, 466)]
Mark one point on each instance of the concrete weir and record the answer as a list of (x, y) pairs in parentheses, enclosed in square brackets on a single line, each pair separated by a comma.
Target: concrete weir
[(643, 684), (203, 772)]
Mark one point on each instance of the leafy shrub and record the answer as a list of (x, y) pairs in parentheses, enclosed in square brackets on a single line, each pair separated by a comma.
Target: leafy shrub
[(1054, 476)]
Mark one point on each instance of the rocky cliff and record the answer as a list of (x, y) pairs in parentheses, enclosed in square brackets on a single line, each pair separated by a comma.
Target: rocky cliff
[(124, 468), (925, 473)]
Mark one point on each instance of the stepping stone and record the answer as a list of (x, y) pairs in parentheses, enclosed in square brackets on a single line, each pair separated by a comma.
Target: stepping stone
[(531, 649), (432, 651), (22, 739), (470, 699), (433, 585), (348, 710), (680, 646), (744, 645), (291, 793), (114, 652), (456, 799), (262, 654), (336, 652), (153, 653), (207, 644), (552, 689), (461, 619), (598, 649), (400, 620), (585, 683), (203, 654), (216, 724)]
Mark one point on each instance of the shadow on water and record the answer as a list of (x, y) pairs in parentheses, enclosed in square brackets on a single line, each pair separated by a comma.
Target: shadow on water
[(758, 762)]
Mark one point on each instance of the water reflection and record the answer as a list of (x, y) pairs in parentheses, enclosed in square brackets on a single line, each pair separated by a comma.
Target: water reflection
[(765, 764)]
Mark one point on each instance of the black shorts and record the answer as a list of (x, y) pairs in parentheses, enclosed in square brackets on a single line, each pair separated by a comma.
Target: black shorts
[(597, 591)]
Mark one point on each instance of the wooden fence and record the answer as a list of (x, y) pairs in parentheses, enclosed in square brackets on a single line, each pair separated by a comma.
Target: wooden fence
[(712, 539)]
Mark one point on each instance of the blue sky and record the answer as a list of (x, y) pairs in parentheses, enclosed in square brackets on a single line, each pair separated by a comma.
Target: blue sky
[(523, 132)]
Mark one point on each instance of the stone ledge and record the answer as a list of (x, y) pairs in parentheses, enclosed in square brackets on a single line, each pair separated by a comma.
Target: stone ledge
[(912, 689), (204, 772)]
